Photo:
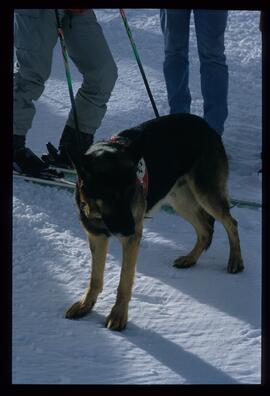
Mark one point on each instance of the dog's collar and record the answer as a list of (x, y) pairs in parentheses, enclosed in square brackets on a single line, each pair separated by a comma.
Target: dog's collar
[(124, 141), (142, 173)]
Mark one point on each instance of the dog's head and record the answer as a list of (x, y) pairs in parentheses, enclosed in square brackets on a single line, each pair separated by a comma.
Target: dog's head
[(106, 187)]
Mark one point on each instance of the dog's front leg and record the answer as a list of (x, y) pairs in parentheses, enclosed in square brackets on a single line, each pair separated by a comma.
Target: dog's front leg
[(99, 248), (117, 319)]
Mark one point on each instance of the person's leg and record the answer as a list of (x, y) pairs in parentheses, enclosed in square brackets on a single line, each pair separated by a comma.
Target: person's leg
[(87, 47), (175, 28), (210, 28), (35, 36)]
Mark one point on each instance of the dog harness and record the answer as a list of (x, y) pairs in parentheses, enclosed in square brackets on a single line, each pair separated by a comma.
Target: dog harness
[(142, 173)]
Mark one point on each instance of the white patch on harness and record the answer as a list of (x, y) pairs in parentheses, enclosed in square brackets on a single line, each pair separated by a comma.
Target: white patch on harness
[(142, 175)]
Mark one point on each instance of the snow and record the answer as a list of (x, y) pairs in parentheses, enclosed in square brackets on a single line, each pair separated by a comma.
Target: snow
[(195, 326)]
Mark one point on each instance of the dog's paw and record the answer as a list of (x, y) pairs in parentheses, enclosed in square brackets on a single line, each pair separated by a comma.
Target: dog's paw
[(78, 310), (117, 320), (184, 262), (235, 265)]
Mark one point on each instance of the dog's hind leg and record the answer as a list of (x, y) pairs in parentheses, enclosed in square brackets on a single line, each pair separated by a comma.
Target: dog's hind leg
[(99, 248), (212, 196), (184, 203)]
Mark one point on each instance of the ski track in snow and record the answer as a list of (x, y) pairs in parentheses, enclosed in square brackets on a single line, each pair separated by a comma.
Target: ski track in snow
[(200, 325)]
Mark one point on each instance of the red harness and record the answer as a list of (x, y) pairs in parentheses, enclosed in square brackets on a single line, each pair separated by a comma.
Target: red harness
[(142, 173)]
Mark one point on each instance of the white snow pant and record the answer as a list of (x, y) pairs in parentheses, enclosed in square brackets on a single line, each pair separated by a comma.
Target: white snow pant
[(35, 38)]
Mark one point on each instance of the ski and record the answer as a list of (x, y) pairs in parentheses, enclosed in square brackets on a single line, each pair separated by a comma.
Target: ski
[(48, 180), (66, 171), (69, 171), (243, 203)]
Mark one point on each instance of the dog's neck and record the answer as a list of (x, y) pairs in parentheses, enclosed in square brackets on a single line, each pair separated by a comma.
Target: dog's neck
[(121, 140)]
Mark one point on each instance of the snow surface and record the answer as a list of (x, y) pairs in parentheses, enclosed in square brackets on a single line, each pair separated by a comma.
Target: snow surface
[(195, 326)]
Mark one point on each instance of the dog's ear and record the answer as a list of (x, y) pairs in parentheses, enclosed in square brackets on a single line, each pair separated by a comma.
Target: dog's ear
[(134, 151), (134, 148)]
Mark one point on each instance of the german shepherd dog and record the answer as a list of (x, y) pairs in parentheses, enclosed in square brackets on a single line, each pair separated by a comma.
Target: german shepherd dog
[(187, 166)]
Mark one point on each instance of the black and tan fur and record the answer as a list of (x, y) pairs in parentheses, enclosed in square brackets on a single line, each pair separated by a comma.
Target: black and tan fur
[(187, 167)]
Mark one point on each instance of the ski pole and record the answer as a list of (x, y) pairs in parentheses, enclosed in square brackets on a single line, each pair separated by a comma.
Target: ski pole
[(135, 51), (68, 74)]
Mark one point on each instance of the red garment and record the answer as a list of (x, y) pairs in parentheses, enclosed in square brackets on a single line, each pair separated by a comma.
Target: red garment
[(76, 10)]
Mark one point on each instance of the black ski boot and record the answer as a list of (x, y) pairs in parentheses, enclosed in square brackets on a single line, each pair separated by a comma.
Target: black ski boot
[(68, 143), (24, 160)]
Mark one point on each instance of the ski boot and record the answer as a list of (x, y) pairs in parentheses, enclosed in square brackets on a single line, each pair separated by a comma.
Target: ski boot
[(24, 160), (59, 158)]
